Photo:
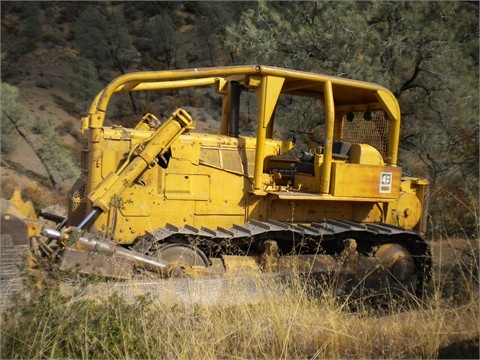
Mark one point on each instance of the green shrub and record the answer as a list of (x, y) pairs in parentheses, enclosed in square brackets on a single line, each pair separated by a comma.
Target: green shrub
[(12, 112), (46, 144), (84, 84), (43, 82)]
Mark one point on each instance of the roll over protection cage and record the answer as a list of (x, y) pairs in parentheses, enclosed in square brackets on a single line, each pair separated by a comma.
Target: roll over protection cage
[(338, 95)]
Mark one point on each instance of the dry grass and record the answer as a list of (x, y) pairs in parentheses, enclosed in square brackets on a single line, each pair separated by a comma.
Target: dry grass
[(290, 325)]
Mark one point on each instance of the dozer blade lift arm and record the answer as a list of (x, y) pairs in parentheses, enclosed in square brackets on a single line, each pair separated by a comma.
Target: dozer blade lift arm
[(115, 183)]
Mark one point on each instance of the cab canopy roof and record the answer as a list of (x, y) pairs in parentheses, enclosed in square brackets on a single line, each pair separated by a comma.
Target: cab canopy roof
[(347, 94)]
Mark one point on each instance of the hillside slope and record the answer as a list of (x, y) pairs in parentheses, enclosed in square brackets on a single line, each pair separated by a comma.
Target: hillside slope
[(41, 66)]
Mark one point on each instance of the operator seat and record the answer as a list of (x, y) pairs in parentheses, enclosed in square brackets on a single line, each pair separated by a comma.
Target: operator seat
[(341, 149)]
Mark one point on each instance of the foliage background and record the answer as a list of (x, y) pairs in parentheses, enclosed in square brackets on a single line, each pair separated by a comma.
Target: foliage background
[(427, 53)]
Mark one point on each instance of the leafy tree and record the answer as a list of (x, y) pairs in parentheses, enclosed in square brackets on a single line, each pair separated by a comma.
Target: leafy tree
[(33, 28), (10, 107), (84, 84), (212, 20), (165, 39), (425, 52), (101, 34)]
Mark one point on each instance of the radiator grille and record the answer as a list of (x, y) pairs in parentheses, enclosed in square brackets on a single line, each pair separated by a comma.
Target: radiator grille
[(373, 130)]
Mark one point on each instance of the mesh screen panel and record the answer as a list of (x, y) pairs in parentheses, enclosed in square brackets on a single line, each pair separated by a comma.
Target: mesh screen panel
[(373, 132), (77, 207)]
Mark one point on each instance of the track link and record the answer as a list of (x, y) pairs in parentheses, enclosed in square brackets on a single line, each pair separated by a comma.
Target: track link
[(321, 237)]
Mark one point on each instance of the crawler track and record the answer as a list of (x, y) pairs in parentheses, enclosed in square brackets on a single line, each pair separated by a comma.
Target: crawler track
[(316, 238)]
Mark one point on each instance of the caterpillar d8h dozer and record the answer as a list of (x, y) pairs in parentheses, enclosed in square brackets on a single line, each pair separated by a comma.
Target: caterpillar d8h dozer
[(159, 198)]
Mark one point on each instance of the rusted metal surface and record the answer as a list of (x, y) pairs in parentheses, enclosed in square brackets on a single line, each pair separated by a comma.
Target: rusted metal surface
[(217, 291), (14, 255), (14, 230), (9, 288), (14, 246), (103, 257), (95, 263)]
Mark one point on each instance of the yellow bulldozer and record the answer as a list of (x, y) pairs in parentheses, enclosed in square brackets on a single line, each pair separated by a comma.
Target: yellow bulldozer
[(161, 199)]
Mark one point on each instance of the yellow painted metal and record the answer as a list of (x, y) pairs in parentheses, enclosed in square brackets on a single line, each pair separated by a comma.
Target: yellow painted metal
[(156, 180), (389, 254), (367, 181), (365, 154), (241, 264), (161, 140), (393, 111), (307, 209), (216, 180), (196, 189), (160, 77), (267, 98), (225, 115), (303, 196), (165, 85), (329, 122), (95, 156), (411, 208), (17, 208)]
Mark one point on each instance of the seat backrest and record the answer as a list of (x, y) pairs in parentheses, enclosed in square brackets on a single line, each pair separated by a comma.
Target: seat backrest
[(341, 149)]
